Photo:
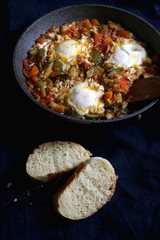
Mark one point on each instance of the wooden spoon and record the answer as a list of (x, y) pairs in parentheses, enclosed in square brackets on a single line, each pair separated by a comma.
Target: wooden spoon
[(144, 89)]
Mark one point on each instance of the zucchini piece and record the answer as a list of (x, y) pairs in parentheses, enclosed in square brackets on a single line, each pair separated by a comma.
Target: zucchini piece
[(94, 70), (114, 71), (33, 51), (96, 56), (57, 68), (40, 83), (40, 55)]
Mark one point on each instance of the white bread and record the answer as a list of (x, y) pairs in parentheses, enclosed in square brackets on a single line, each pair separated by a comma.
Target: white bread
[(53, 158), (90, 187)]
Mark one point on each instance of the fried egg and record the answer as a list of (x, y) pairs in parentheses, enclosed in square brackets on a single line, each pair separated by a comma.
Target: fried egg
[(128, 53), (86, 99), (69, 49)]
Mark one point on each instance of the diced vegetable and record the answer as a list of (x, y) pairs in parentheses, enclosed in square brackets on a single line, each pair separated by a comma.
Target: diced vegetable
[(94, 22), (41, 39), (114, 71), (26, 64), (41, 55), (97, 39), (33, 51), (113, 25), (73, 72), (57, 68), (64, 28), (40, 83), (93, 71), (124, 83), (86, 23), (72, 31), (96, 56), (35, 78), (39, 66), (49, 64), (109, 94), (123, 33), (53, 105), (90, 72), (47, 72), (34, 71), (107, 66), (109, 116), (103, 28)]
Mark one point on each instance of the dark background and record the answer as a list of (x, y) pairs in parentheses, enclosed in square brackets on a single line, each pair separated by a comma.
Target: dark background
[(132, 146)]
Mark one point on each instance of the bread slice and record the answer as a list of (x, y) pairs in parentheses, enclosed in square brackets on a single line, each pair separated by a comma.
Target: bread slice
[(53, 158), (90, 187)]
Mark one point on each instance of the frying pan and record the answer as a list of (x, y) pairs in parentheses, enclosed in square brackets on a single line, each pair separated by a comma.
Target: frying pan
[(103, 13)]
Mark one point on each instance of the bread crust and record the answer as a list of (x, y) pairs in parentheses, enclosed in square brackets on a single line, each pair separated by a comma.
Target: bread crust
[(75, 175)]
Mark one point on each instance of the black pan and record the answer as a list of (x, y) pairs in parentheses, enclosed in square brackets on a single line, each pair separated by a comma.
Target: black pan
[(135, 24)]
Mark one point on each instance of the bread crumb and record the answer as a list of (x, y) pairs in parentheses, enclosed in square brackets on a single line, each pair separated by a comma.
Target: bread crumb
[(27, 193), (15, 200), (9, 185), (139, 117)]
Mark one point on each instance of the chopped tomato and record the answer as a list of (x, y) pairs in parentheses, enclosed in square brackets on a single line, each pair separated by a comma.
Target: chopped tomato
[(86, 23), (84, 30), (112, 26), (58, 78), (94, 22), (41, 39), (72, 31), (26, 64), (35, 78), (97, 39), (109, 94), (48, 98), (124, 84), (102, 42), (34, 71), (123, 33), (106, 43), (114, 97)]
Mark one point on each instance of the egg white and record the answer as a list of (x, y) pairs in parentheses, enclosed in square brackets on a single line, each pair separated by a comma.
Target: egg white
[(86, 99), (69, 49), (128, 53)]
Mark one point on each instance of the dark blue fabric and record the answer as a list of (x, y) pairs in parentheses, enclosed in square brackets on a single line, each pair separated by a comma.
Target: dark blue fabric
[(132, 146)]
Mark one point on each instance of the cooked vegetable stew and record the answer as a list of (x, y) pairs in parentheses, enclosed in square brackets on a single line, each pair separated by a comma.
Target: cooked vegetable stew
[(85, 69)]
